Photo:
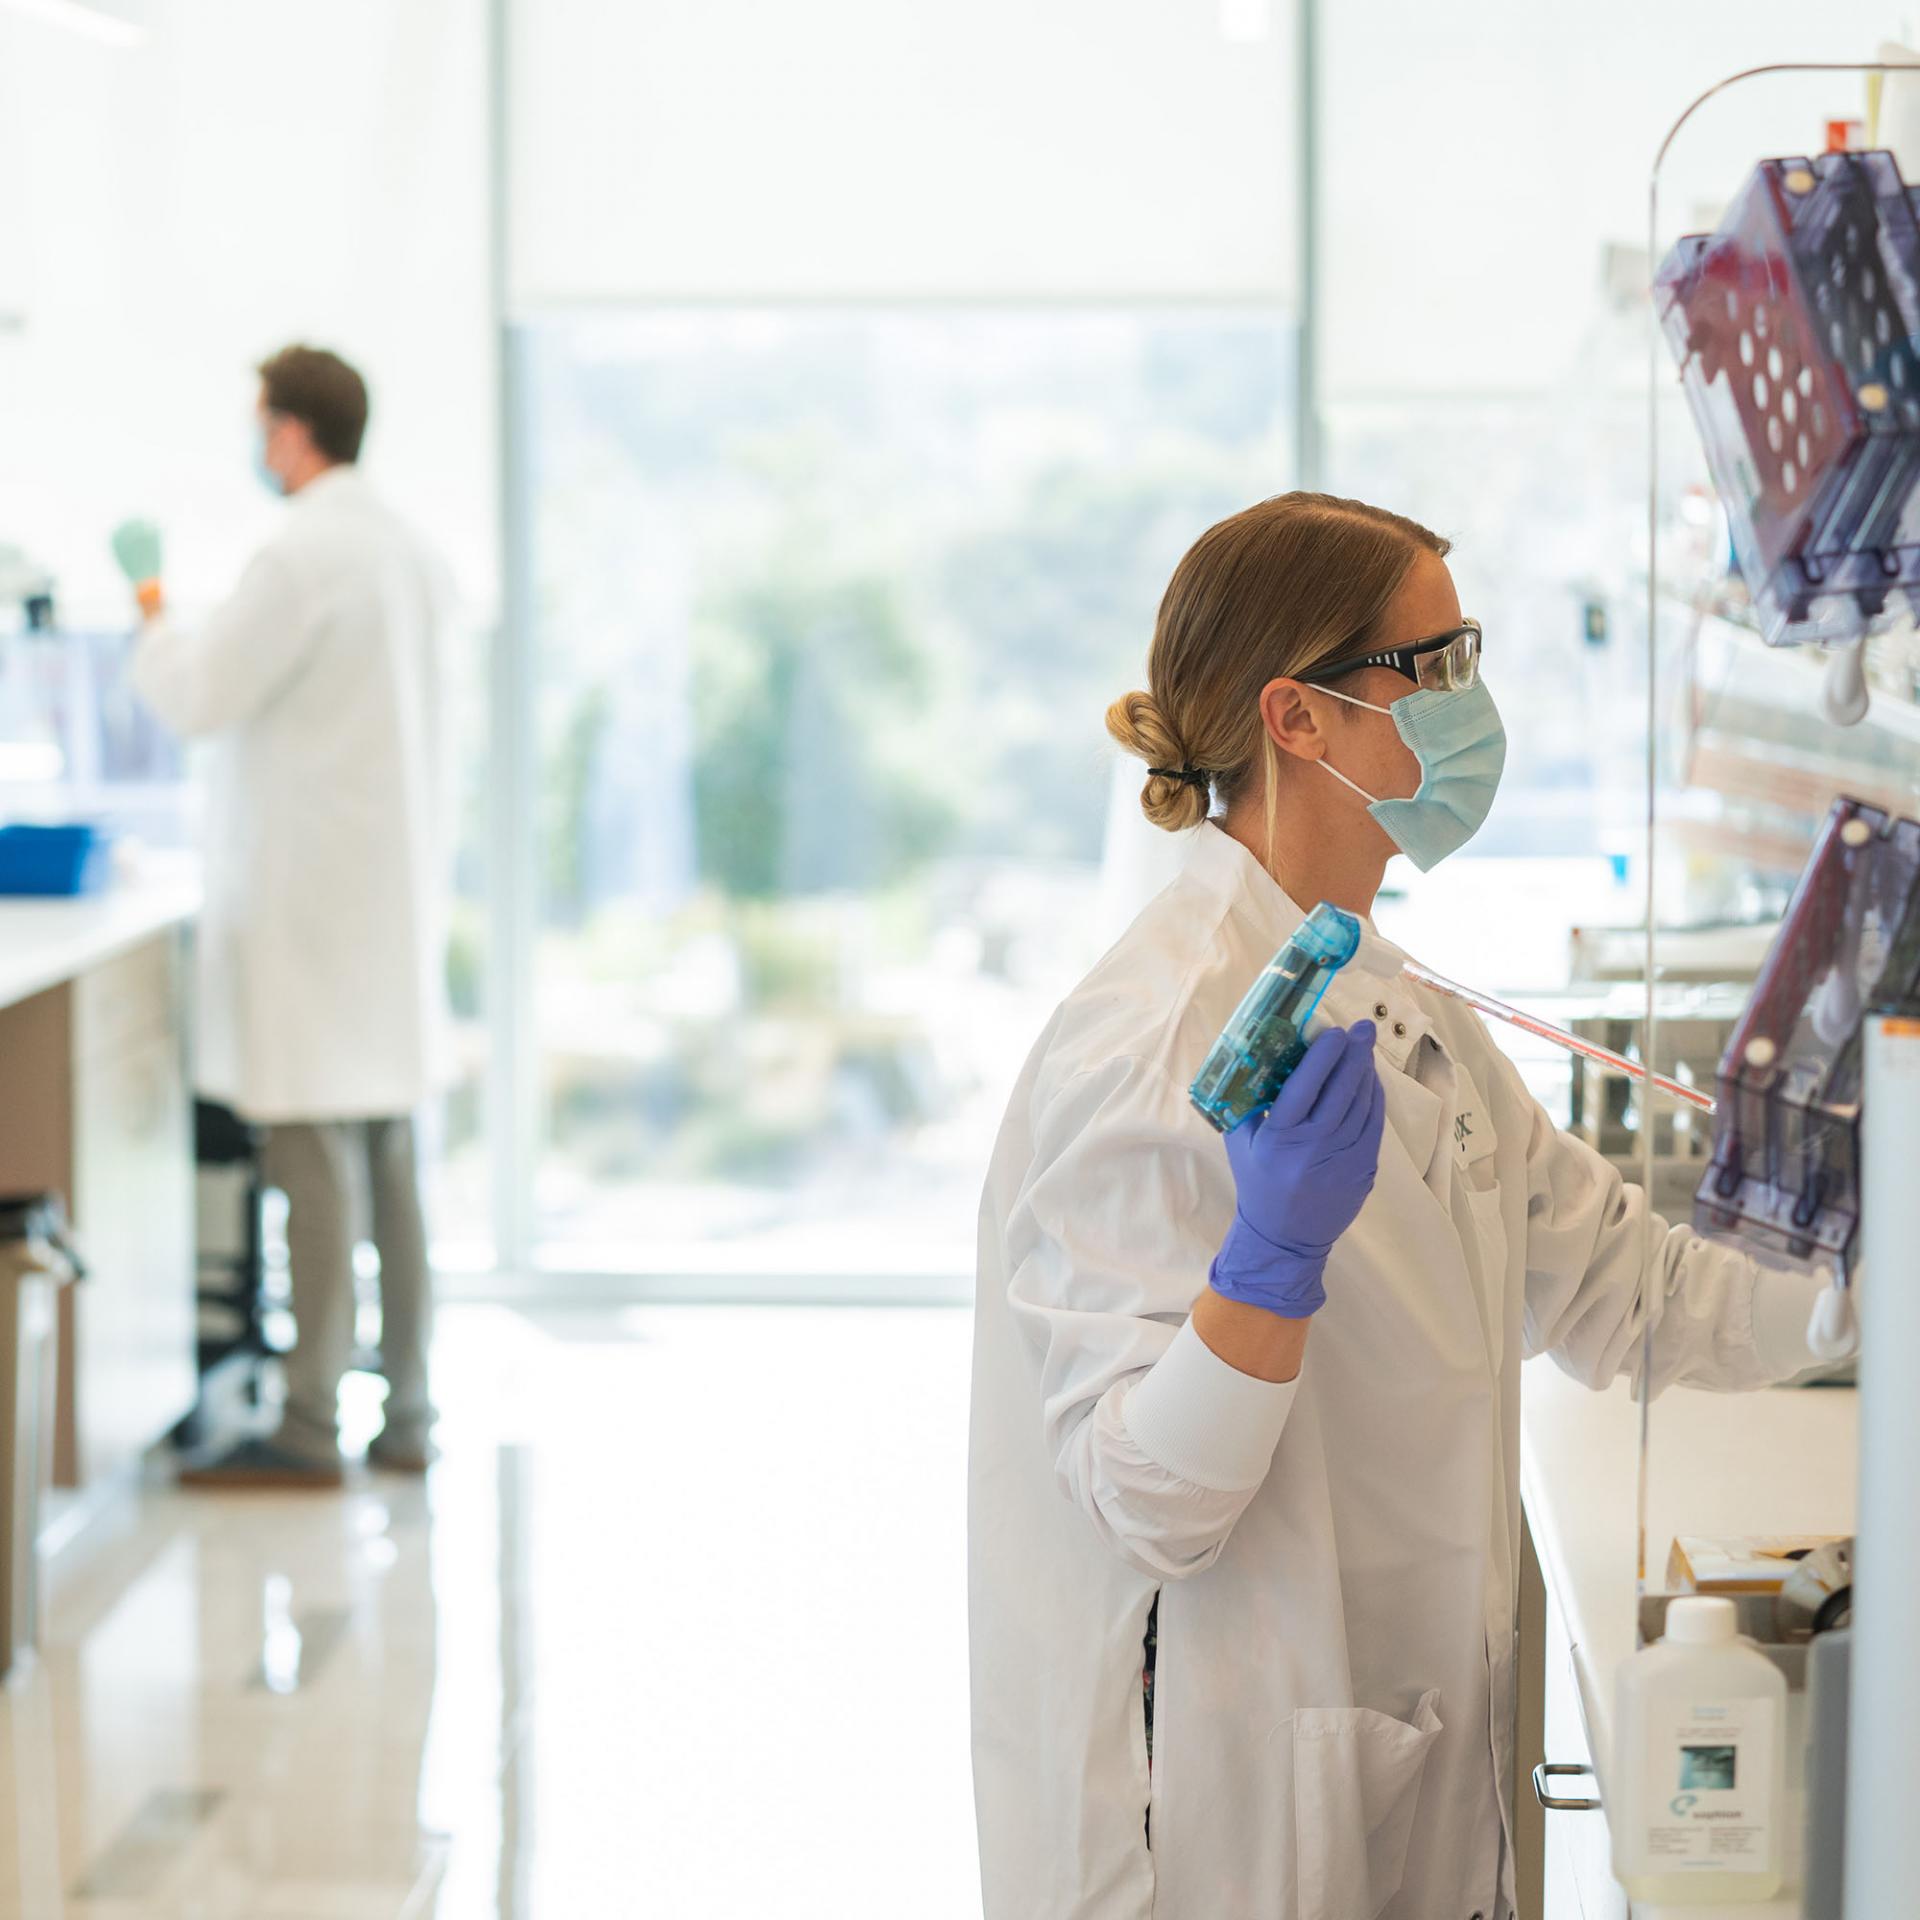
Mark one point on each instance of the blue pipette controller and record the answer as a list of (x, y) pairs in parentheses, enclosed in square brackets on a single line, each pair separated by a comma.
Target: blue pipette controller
[(1266, 1038)]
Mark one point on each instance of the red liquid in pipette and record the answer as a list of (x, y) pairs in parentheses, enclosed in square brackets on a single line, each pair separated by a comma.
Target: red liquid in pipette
[(1499, 1010)]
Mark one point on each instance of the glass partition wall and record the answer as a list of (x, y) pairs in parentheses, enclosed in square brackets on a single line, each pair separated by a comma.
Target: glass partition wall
[(1487, 373)]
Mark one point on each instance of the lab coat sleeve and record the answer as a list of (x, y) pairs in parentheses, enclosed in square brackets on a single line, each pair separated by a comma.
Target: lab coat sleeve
[(1153, 1437), (219, 674), (1719, 1319)]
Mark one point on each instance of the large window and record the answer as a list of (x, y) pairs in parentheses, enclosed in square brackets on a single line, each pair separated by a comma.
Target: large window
[(829, 608)]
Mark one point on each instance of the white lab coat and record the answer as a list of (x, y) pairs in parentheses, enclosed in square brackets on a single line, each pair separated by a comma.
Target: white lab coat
[(321, 946), (1335, 1557)]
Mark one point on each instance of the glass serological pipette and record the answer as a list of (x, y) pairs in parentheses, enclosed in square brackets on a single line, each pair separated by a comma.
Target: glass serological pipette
[(1545, 1030)]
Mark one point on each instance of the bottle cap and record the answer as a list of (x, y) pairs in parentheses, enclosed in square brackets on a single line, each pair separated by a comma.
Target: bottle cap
[(1702, 1620)]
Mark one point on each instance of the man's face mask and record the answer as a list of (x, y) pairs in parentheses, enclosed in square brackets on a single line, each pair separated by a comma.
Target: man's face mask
[(262, 472)]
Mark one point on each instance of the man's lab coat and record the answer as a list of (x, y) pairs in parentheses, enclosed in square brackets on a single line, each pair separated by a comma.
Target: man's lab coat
[(321, 947)]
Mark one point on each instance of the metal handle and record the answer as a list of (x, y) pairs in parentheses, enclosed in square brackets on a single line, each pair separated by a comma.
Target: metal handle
[(1551, 1770)]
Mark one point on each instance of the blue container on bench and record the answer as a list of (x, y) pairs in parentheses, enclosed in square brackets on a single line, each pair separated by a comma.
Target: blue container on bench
[(54, 861)]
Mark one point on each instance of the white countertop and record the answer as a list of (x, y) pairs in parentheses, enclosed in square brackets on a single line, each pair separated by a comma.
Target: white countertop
[(44, 942), (1778, 1462)]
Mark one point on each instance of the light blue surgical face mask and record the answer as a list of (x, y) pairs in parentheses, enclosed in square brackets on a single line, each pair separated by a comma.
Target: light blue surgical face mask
[(265, 474), (1457, 737)]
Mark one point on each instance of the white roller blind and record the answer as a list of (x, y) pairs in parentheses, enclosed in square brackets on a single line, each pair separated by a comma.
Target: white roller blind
[(901, 148)]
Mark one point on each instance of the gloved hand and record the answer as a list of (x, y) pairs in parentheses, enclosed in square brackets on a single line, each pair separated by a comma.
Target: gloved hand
[(1302, 1171), (136, 545)]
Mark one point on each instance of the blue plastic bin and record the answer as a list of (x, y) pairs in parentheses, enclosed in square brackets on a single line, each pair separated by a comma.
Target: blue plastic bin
[(54, 861)]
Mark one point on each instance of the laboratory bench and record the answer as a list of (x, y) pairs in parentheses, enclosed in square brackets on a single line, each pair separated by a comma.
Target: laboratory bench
[(1777, 1462), (95, 1104)]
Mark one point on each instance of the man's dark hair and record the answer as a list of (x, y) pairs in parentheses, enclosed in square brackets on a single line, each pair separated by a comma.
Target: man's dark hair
[(323, 393)]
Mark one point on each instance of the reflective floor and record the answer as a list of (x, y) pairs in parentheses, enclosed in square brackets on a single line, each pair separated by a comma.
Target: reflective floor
[(677, 1627)]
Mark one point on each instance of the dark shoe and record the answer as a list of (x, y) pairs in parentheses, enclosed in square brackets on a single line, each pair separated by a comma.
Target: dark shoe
[(262, 1463), (400, 1456)]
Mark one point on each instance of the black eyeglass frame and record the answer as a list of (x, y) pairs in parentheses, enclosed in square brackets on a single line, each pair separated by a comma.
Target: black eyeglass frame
[(1403, 660)]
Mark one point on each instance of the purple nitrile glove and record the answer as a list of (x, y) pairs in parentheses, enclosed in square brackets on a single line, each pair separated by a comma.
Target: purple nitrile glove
[(1301, 1171)]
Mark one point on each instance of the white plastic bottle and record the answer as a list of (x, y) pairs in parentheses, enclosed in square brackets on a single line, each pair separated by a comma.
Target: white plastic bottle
[(1696, 1803)]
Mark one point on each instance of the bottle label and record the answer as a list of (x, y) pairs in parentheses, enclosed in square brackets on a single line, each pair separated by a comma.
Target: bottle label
[(1710, 1787)]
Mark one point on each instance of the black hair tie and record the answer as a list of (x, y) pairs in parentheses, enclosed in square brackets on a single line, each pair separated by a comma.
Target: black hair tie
[(1187, 776)]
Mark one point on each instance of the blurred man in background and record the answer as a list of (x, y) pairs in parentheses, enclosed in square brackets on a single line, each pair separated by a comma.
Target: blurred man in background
[(320, 949)]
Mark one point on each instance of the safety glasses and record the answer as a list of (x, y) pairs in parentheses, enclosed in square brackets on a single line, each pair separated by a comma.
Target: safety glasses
[(1448, 663)]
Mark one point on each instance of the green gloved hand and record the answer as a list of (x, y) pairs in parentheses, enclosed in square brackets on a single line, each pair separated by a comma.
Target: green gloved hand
[(136, 545)]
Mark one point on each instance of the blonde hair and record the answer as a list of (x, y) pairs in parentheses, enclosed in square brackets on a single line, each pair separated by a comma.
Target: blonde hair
[(1295, 583)]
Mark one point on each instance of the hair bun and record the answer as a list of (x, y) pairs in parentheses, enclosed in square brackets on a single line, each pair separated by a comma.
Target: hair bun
[(1174, 796)]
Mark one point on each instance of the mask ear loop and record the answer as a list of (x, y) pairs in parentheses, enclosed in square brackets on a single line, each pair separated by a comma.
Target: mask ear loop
[(1335, 771), (1354, 784), (1352, 702)]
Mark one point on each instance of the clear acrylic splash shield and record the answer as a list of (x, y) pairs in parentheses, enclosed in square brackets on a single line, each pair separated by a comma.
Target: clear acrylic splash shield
[(1743, 766)]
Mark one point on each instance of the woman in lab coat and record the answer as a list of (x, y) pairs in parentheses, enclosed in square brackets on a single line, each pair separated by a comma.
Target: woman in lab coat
[(1244, 1482)]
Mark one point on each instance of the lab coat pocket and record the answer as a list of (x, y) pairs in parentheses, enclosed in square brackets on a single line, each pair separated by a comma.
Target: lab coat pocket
[(1356, 1779)]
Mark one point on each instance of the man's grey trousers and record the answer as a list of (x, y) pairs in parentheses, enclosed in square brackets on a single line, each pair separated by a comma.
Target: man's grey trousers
[(346, 1181)]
